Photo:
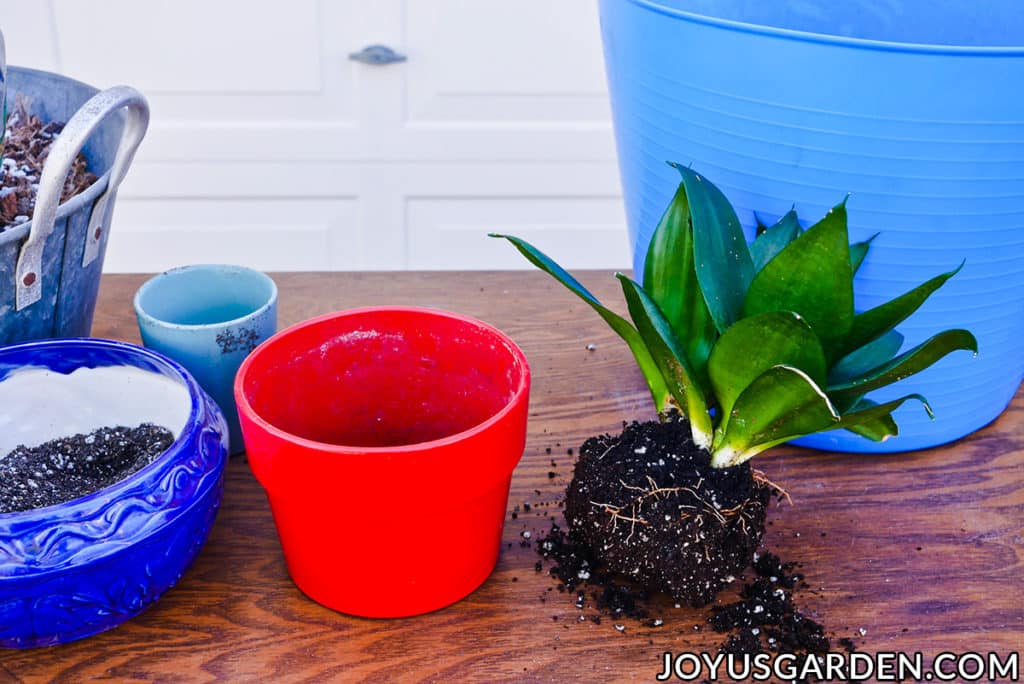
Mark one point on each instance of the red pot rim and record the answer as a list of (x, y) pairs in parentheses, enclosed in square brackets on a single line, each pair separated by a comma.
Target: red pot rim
[(518, 395)]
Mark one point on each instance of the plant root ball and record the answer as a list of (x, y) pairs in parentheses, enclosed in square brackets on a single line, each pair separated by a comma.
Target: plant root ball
[(648, 505)]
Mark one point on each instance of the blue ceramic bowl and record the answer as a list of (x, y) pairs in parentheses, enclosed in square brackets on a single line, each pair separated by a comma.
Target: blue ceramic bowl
[(74, 569)]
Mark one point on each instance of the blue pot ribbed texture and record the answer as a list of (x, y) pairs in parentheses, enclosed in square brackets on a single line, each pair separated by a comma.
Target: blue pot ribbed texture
[(914, 108)]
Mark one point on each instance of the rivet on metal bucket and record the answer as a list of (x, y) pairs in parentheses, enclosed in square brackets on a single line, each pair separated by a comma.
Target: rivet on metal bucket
[(68, 306)]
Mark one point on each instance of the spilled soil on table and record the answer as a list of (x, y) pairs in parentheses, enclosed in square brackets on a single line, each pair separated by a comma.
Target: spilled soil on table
[(614, 558)]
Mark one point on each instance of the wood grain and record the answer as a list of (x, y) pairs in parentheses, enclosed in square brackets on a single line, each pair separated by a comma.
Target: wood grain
[(924, 551)]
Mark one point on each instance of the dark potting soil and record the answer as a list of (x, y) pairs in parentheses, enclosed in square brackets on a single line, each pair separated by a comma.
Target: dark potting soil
[(764, 619), (70, 467), (25, 148), (648, 505)]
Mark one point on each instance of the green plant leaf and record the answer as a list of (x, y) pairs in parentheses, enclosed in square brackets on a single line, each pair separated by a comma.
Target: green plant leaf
[(871, 355), (905, 365), (659, 391), (872, 323), (670, 278), (813, 277), (877, 429), (759, 226), (670, 358), (753, 345), (858, 251), (722, 258), (783, 403), (875, 421), (772, 240)]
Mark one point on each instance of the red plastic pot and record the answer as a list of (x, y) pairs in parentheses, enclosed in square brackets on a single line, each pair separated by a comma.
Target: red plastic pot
[(385, 439)]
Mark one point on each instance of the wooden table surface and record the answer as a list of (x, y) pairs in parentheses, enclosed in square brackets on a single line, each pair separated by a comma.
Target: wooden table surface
[(923, 551)]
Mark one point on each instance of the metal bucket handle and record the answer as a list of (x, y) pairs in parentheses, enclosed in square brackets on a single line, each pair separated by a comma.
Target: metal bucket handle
[(28, 275)]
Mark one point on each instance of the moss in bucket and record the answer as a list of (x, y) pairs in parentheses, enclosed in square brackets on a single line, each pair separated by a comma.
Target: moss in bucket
[(743, 347)]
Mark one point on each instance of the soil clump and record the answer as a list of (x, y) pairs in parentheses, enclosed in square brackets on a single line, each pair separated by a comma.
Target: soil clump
[(648, 505), (648, 516)]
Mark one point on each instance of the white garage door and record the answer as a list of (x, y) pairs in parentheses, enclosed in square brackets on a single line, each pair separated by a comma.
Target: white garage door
[(270, 146)]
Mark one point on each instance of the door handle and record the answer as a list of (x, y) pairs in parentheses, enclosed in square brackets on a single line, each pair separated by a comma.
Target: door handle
[(377, 55)]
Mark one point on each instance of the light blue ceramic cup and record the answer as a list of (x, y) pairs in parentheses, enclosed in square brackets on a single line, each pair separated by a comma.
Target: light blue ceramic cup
[(208, 317)]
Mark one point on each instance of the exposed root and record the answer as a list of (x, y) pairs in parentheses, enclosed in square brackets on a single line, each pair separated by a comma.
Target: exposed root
[(630, 513), (633, 516), (616, 516), (608, 450), (760, 477)]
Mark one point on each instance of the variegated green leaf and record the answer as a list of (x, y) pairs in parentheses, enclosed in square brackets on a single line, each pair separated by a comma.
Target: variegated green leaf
[(813, 277), (722, 258), (659, 391), (774, 239), (873, 323), (875, 421), (858, 251), (759, 226), (871, 355), (877, 429), (670, 359), (781, 404), (670, 278), (906, 364), (753, 345)]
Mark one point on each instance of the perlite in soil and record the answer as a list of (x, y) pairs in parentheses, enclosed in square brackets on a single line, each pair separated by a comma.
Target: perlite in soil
[(68, 468)]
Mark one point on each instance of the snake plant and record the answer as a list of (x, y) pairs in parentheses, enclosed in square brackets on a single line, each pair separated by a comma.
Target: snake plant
[(759, 344)]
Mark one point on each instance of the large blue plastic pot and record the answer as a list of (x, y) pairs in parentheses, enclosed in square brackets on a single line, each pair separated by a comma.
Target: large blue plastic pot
[(916, 108), (81, 567)]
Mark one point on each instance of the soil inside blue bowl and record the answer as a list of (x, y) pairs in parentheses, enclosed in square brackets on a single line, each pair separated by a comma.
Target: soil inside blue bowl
[(64, 436), (71, 467)]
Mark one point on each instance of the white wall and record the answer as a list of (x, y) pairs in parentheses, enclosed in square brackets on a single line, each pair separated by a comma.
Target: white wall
[(270, 147)]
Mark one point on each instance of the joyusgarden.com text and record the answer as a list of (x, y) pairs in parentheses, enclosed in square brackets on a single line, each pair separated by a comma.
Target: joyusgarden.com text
[(841, 667)]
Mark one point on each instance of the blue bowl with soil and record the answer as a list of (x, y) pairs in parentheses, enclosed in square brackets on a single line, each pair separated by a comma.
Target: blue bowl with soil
[(136, 450)]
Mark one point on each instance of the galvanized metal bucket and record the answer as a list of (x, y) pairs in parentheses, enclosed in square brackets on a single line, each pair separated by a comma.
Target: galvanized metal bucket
[(50, 267)]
